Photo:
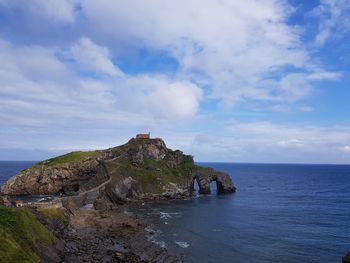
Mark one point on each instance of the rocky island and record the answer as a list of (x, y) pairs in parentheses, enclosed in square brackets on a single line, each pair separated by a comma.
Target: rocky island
[(91, 187)]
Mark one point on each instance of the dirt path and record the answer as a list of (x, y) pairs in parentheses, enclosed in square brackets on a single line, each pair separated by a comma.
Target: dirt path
[(95, 188)]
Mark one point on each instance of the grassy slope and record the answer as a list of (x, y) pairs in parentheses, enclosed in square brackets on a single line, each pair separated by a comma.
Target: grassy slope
[(21, 236), (69, 157), (55, 214)]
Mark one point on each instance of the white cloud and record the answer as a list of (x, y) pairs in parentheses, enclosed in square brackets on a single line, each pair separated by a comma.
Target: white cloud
[(290, 143), (160, 96), (273, 142), (324, 75), (345, 148), (240, 49), (333, 18), (37, 88), (61, 12), (94, 57)]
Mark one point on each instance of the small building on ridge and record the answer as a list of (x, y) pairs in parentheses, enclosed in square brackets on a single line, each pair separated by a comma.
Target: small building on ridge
[(143, 136)]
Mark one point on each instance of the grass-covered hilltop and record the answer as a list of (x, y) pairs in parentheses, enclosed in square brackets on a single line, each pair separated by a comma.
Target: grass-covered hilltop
[(140, 169)]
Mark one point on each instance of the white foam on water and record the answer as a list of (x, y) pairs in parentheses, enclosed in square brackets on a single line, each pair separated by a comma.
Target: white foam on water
[(152, 236), (162, 244), (182, 244), (164, 215)]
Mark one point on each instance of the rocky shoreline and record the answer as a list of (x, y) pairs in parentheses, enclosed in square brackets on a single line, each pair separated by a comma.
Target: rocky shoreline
[(84, 234), (109, 236)]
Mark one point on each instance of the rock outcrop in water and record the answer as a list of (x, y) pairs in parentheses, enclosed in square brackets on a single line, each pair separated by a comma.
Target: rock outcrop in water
[(346, 258), (139, 169)]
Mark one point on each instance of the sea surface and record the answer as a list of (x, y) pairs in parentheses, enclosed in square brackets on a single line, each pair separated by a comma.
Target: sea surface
[(280, 213)]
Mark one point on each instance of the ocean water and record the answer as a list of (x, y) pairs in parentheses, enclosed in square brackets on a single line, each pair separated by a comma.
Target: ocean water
[(10, 168), (280, 213)]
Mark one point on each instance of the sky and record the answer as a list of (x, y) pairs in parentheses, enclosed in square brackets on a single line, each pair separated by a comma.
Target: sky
[(222, 80)]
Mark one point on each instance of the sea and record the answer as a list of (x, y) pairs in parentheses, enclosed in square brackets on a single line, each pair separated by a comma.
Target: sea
[(288, 213)]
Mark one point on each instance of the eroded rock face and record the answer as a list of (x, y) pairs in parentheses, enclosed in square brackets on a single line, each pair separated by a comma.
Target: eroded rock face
[(139, 169), (67, 179), (147, 149), (123, 189)]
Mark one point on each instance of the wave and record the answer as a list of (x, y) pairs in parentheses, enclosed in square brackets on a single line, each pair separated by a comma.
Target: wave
[(164, 215), (182, 244)]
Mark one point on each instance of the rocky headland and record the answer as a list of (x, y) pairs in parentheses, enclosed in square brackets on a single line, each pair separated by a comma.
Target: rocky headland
[(87, 218), (139, 169)]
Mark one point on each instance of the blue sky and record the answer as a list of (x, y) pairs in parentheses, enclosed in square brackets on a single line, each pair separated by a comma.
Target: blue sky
[(231, 81)]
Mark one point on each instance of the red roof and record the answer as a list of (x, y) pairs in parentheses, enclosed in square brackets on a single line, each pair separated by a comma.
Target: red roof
[(143, 136)]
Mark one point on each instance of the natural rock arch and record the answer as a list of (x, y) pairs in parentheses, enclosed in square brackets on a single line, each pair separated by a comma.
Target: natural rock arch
[(206, 176)]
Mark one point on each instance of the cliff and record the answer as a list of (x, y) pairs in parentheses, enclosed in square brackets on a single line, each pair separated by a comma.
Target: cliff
[(139, 169)]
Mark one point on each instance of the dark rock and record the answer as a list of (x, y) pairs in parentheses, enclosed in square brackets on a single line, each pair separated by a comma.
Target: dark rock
[(73, 203), (67, 179), (53, 254), (346, 258)]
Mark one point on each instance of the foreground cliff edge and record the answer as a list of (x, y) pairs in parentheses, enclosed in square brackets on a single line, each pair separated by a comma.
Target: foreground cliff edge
[(139, 169)]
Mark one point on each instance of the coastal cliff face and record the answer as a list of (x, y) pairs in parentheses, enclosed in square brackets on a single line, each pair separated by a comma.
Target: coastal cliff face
[(139, 169)]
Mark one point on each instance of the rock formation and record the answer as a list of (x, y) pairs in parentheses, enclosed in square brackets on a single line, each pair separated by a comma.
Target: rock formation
[(346, 258), (204, 176), (5, 202), (139, 169)]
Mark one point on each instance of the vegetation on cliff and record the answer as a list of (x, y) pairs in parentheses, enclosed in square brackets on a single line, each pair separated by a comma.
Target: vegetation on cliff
[(54, 214), (68, 158), (22, 236)]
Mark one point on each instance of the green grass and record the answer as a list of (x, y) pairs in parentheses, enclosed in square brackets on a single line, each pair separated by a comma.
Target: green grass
[(55, 214), (154, 175), (22, 236), (148, 181), (69, 157)]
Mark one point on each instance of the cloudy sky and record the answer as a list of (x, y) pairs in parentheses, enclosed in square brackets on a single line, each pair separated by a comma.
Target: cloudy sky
[(223, 80)]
